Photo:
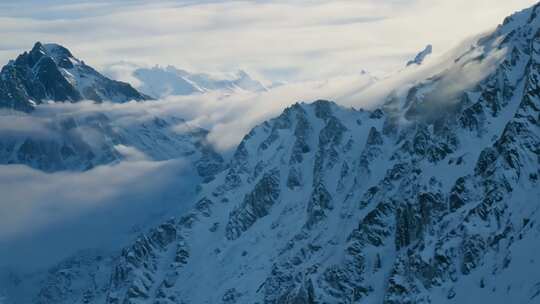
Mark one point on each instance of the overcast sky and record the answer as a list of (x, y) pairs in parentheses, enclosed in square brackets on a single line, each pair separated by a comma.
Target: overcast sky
[(277, 40)]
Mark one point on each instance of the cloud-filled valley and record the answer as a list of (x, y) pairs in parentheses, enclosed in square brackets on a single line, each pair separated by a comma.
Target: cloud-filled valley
[(48, 216)]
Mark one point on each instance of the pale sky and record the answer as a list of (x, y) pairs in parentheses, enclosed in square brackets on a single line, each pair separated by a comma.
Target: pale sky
[(274, 40)]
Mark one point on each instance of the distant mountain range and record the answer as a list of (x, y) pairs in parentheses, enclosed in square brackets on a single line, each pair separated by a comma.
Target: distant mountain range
[(164, 81)]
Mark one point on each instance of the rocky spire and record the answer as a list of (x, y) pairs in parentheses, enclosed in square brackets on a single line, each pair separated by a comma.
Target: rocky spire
[(420, 57)]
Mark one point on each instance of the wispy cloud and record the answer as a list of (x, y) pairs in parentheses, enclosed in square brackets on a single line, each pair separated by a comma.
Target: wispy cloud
[(63, 212)]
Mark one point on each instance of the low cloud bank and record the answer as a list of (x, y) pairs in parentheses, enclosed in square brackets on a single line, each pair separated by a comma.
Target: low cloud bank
[(47, 216)]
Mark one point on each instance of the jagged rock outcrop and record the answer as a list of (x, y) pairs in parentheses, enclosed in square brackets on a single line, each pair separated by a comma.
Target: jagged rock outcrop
[(256, 204), (420, 57)]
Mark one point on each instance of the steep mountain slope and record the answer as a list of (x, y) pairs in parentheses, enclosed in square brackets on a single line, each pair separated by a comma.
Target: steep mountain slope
[(431, 198), (49, 72), (159, 82)]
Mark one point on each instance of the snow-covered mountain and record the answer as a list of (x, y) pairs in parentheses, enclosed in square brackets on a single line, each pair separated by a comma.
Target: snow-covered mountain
[(163, 81), (433, 197), (82, 140), (49, 72)]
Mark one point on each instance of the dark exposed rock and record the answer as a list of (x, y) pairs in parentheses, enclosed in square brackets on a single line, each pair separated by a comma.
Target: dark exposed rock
[(255, 205)]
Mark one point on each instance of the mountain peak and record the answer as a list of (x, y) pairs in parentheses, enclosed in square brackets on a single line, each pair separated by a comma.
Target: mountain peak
[(420, 57), (50, 72), (525, 17), (38, 46), (162, 81), (53, 50), (56, 50), (241, 74), (58, 53)]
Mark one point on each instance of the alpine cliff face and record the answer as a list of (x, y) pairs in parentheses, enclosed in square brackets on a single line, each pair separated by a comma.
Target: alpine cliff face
[(431, 198), (49, 72)]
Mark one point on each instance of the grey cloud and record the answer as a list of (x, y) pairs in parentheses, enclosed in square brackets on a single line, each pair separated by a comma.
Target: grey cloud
[(47, 216), (254, 35)]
